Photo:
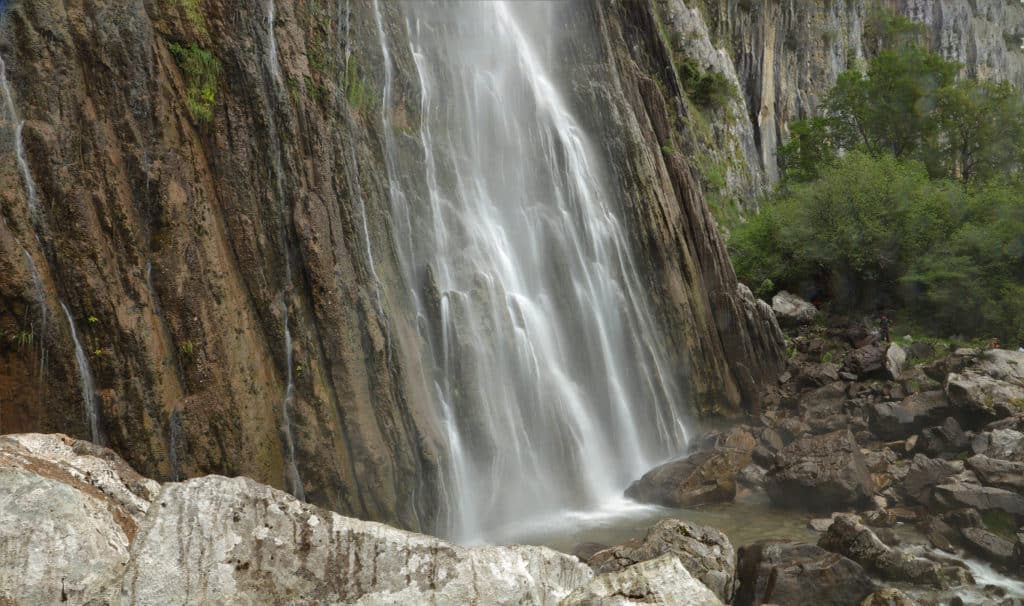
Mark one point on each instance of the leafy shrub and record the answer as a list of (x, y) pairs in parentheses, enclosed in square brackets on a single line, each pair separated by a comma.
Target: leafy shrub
[(202, 71)]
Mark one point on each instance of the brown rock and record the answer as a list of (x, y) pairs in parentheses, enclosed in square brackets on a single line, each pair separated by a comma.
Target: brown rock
[(820, 472)]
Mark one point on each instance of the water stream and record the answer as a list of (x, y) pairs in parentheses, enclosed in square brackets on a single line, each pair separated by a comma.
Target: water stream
[(19, 146), (552, 386), (277, 157), (85, 382)]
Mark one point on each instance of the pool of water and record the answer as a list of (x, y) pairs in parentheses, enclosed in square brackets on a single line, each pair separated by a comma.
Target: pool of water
[(750, 518)]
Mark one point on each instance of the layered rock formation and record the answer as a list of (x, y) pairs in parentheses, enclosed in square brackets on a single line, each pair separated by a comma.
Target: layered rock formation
[(195, 201)]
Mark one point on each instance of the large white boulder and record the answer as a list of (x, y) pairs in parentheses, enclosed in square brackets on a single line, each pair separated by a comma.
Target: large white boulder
[(791, 310), (660, 581)]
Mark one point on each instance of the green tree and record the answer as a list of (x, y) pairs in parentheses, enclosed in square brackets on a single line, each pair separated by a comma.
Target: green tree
[(982, 129)]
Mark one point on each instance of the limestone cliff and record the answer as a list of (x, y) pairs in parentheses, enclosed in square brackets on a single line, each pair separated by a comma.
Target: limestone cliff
[(196, 217), (787, 54)]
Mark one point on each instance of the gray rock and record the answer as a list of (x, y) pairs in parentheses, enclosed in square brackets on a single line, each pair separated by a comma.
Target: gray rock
[(791, 310), (964, 490), (1006, 444), (705, 552), (868, 361), (661, 581), (888, 597), (924, 475), (78, 525), (816, 375), (798, 574), (895, 359), (847, 536), (981, 398), (890, 421), (821, 472), (68, 512), (947, 439), (998, 473), (989, 546)]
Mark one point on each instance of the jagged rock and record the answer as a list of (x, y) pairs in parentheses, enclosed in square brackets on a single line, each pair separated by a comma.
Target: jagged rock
[(798, 574), (989, 545), (890, 421), (981, 399), (964, 490), (1005, 444), (821, 472), (792, 428), (895, 359), (662, 581), (752, 476), (707, 476), (998, 473), (920, 350), (77, 525), (847, 536), (705, 552), (960, 359), (878, 461), (867, 361), (888, 597), (817, 375), (924, 475), (948, 439), (791, 310), (585, 551)]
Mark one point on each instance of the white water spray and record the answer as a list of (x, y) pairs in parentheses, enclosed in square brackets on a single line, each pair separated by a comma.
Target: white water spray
[(19, 146), (85, 382), (554, 390)]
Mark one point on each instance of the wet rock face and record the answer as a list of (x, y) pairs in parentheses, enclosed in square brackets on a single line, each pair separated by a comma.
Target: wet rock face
[(180, 243)]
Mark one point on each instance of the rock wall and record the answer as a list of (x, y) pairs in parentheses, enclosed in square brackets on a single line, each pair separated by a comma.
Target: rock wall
[(787, 54), (207, 262)]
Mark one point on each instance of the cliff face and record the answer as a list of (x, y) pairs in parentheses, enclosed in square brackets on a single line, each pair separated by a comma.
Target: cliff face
[(787, 54), (197, 194)]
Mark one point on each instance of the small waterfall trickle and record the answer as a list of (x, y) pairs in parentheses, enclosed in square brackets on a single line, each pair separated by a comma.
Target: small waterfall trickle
[(37, 282), (85, 382), (277, 158), (19, 145), (552, 383)]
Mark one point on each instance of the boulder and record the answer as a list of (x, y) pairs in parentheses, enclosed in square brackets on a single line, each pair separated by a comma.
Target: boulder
[(1005, 444), (981, 399), (813, 375), (989, 546), (895, 359), (964, 490), (77, 525), (847, 536), (791, 310), (947, 439), (924, 475), (997, 472), (798, 574), (68, 513), (892, 421), (705, 552), (820, 472), (586, 550), (920, 350), (888, 597), (868, 361), (662, 581), (707, 476)]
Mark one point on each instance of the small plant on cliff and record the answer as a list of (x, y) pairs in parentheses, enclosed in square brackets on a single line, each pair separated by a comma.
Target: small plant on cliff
[(359, 94), (193, 13), (201, 70)]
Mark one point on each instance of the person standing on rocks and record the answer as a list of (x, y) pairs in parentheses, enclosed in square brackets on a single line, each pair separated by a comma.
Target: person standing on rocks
[(884, 324)]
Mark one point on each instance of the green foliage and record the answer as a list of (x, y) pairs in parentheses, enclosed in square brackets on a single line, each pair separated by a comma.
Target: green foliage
[(360, 95), (878, 231), (810, 148), (194, 14), (708, 89), (885, 29), (187, 350), (92, 319), (202, 71)]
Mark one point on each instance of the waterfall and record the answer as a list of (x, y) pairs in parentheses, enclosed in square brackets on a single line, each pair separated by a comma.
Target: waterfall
[(277, 157), (19, 146), (553, 386), (85, 382), (37, 282)]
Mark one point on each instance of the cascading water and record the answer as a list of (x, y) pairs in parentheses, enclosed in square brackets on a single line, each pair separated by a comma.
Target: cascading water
[(277, 157), (19, 146), (552, 383), (85, 382), (37, 282)]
